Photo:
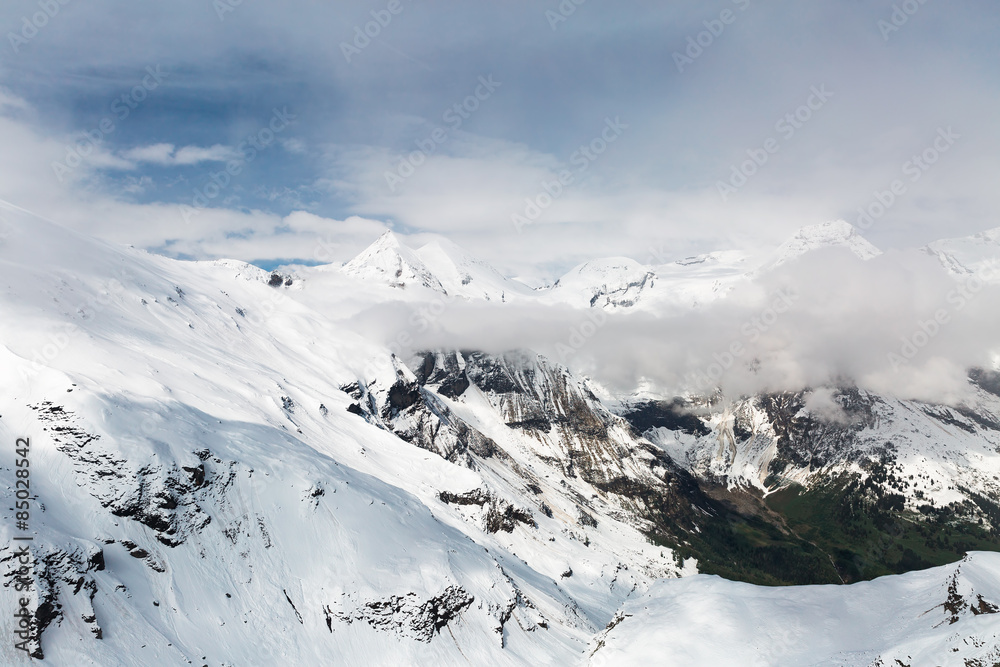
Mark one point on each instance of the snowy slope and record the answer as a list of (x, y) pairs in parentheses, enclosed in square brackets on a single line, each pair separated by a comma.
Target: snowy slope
[(942, 616), (463, 275), (203, 489), (835, 234), (621, 283), (977, 255), (439, 265), (615, 282), (226, 474), (612, 283), (389, 262)]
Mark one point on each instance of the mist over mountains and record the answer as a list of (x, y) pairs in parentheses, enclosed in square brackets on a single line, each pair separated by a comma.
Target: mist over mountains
[(384, 459), (825, 307)]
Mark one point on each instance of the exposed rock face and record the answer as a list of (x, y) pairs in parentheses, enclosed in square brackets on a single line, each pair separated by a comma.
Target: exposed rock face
[(601, 465), (771, 440), (406, 616), (419, 417), (163, 497), (843, 446), (500, 515)]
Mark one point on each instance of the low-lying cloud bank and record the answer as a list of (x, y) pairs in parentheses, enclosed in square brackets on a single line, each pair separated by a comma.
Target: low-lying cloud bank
[(898, 324)]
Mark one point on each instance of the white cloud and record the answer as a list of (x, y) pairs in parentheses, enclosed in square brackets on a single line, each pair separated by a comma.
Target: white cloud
[(295, 146), (847, 318), (9, 101), (169, 156)]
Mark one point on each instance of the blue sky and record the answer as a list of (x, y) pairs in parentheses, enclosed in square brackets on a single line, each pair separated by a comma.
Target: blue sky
[(894, 76)]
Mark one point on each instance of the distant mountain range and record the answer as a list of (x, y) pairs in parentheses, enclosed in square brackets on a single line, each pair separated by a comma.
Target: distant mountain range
[(224, 472), (616, 283)]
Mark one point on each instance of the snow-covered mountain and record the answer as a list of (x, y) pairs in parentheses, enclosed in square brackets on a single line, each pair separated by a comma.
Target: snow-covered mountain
[(619, 283), (616, 282), (223, 472), (835, 234), (942, 616), (440, 266), (387, 260), (612, 284), (971, 256)]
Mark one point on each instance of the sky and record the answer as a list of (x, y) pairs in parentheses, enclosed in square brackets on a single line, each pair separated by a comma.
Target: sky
[(535, 134)]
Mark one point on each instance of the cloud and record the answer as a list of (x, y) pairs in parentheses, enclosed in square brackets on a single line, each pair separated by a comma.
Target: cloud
[(848, 319), (295, 146), (825, 320), (822, 403), (10, 102), (82, 200), (653, 192), (656, 187), (168, 155)]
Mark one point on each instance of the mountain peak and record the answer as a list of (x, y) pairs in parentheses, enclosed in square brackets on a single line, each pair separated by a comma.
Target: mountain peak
[(828, 233), (608, 282), (388, 239), (388, 260), (969, 255), (833, 234), (440, 265)]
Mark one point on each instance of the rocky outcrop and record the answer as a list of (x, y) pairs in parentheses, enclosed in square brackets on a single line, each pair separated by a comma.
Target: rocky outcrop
[(166, 498), (406, 615)]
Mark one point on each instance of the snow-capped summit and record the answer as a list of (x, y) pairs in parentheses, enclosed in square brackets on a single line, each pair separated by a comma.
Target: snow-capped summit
[(388, 260), (462, 274), (439, 265), (609, 282), (834, 234), (975, 255)]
